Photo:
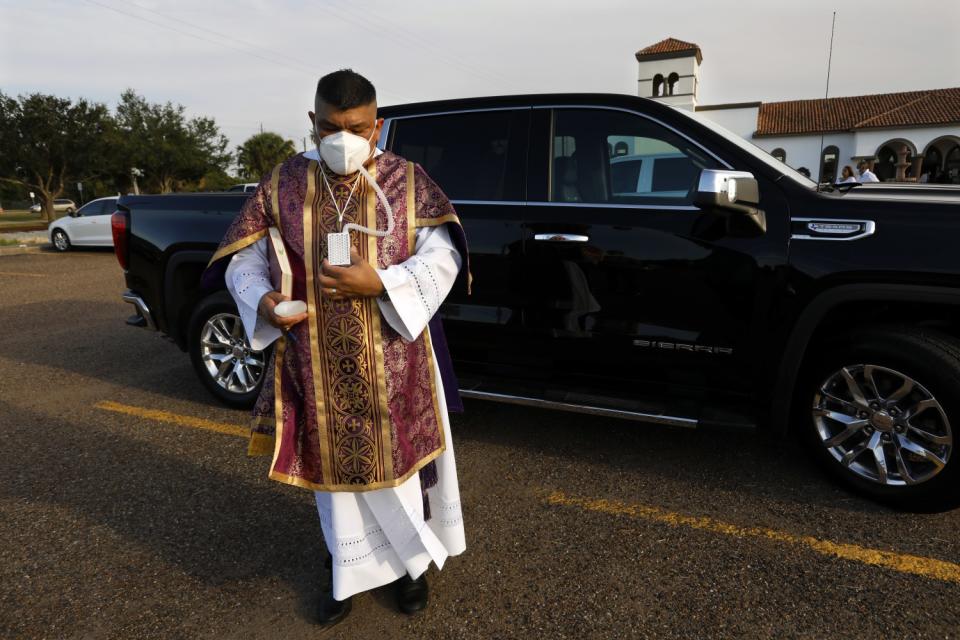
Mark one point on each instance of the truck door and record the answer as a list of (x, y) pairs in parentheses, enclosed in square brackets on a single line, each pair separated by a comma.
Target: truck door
[(628, 283), (479, 159)]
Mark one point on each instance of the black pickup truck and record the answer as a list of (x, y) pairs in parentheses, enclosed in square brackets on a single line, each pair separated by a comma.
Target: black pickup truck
[(634, 261)]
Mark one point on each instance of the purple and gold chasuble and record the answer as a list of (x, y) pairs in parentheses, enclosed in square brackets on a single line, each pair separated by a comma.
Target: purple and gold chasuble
[(347, 404)]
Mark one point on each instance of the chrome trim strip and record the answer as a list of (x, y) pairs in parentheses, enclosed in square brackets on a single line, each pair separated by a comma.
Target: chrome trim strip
[(456, 111), (671, 207), (132, 298), (511, 203), (674, 421), (869, 228), (535, 203), (561, 237)]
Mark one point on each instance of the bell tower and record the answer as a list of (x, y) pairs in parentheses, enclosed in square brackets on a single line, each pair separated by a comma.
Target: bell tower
[(669, 71)]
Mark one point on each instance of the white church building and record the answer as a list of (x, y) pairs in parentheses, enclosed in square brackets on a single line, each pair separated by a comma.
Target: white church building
[(909, 136)]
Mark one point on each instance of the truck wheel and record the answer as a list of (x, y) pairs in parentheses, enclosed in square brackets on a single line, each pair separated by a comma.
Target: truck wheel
[(60, 240), (221, 354), (879, 411)]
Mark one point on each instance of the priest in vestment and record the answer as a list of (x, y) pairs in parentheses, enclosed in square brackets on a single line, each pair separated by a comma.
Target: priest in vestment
[(355, 399)]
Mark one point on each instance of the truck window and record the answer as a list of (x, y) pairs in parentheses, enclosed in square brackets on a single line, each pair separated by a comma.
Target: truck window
[(472, 156), (625, 176), (604, 156), (673, 174)]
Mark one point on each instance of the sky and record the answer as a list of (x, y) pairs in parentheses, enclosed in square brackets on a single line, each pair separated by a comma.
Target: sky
[(253, 63)]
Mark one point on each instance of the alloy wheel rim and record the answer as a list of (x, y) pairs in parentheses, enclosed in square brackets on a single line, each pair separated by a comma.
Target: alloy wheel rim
[(882, 425), (60, 240), (227, 355)]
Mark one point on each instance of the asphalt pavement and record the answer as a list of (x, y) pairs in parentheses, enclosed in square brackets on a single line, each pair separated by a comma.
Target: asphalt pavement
[(128, 509)]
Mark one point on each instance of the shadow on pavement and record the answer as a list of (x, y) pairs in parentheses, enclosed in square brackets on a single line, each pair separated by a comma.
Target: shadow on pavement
[(741, 462), (99, 344), (216, 527)]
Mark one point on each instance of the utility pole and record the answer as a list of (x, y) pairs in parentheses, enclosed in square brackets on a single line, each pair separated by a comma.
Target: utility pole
[(261, 128)]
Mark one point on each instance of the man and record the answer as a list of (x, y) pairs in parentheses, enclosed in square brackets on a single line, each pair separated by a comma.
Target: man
[(865, 174), (354, 401)]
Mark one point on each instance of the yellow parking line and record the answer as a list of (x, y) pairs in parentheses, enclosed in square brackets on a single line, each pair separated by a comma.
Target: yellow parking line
[(28, 275), (916, 565), (174, 418)]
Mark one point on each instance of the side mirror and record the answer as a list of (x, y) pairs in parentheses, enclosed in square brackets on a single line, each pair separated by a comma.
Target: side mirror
[(731, 192)]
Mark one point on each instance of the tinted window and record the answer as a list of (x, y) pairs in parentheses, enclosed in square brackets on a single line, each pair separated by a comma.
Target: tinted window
[(472, 156), (604, 156), (673, 174), (625, 175), (98, 208), (92, 208)]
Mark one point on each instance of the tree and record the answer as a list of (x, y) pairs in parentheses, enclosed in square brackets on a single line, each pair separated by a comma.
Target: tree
[(261, 153), (216, 180), (50, 142), (171, 150)]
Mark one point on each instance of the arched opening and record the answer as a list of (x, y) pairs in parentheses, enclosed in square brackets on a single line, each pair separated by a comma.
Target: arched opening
[(932, 164), (951, 166), (885, 166), (888, 157), (936, 158), (672, 81), (828, 164), (657, 85), (779, 154)]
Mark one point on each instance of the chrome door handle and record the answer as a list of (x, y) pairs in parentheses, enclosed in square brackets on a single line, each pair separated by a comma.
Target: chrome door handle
[(561, 237)]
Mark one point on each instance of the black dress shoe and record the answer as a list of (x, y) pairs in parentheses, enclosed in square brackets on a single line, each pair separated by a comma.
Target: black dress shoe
[(332, 611), (412, 594)]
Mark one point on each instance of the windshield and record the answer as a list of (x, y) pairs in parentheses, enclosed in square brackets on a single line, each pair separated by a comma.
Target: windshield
[(753, 150)]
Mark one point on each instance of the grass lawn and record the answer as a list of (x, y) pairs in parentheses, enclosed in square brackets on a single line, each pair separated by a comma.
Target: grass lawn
[(21, 220), (18, 215)]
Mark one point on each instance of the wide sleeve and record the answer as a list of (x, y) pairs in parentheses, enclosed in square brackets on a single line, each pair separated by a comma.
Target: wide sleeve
[(248, 279), (251, 224), (415, 288)]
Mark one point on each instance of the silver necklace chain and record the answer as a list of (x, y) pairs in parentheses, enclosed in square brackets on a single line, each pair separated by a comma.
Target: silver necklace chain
[(340, 211)]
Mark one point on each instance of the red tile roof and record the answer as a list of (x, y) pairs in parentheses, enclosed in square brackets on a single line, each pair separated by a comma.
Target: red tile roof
[(906, 109), (668, 46)]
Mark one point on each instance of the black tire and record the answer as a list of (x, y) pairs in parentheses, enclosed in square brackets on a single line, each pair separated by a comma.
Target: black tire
[(218, 307), (61, 241), (931, 360)]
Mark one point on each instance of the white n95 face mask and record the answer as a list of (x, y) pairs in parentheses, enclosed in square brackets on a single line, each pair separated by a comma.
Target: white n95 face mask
[(345, 152)]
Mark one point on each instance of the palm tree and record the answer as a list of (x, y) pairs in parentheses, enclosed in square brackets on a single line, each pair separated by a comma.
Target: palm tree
[(260, 153)]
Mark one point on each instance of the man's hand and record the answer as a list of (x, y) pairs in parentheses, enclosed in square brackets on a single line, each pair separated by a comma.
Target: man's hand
[(359, 280), (266, 306)]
